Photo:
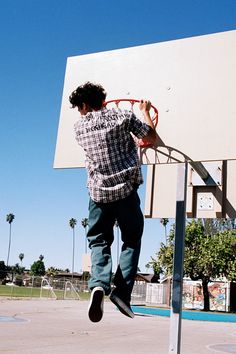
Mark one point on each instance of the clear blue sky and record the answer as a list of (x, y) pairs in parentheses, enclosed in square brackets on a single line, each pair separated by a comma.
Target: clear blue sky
[(36, 37)]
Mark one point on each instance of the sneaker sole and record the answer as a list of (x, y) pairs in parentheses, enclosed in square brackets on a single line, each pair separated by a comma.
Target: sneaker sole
[(95, 311), (122, 307)]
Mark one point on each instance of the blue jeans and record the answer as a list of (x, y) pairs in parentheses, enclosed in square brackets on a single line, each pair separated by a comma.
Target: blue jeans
[(102, 217)]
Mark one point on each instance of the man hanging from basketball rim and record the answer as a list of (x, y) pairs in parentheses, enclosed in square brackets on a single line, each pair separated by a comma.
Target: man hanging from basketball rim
[(114, 175)]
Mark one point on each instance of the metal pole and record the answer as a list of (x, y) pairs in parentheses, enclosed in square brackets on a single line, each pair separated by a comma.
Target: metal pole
[(73, 254), (200, 169), (177, 282)]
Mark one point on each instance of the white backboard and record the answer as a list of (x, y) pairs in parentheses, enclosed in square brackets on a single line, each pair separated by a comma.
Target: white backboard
[(191, 81)]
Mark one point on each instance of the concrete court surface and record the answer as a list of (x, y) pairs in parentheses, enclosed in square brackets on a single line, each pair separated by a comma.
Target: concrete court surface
[(62, 327)]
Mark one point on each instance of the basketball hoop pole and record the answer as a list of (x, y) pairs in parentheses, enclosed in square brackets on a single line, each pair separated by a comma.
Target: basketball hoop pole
[(177, 281)]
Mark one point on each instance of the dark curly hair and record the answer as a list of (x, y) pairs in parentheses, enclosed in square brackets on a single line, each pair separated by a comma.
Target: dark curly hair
[(91, 94)]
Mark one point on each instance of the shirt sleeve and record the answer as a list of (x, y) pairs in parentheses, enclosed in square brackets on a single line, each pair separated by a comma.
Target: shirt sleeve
[(138, 128)]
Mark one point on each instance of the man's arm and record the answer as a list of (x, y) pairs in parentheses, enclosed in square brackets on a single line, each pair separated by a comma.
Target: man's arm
[(145, 107)]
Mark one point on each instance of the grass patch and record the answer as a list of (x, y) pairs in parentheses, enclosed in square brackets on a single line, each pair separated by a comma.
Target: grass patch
[(22, 291), (19, 291)]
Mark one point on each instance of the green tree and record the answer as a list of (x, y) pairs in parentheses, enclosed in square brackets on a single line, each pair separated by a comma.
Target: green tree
[(84, 223), (21, 257), (38, 267), (72, 224), (52, 271), (209, 254), (17, 272), (17, 269), (86, 276), (9, 219), (3, 270)]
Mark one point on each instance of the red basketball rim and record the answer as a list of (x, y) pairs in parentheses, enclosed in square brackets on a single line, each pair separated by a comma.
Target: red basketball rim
[(132, 101)]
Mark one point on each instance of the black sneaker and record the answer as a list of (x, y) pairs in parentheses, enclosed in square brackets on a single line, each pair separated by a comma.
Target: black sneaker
[(95, 310), (121, 305)]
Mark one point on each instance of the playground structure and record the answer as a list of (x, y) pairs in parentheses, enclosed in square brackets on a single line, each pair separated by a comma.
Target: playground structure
[(191, 171)]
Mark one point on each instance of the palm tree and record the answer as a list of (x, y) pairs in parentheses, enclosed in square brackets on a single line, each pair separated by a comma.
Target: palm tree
[(9, 219), (72, 224), (84, 223), (164, 222), (147, 266), (118, 243), (21, 257), (41, 257), (51, 271)]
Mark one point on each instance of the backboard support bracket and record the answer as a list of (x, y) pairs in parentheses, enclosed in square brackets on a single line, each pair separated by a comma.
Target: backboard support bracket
[(209, 195)]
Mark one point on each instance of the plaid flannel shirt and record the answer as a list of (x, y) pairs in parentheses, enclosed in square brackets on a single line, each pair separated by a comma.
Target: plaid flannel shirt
[(112, 160)]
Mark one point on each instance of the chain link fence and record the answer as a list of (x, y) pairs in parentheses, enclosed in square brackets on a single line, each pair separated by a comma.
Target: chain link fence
[(150, 293), (47, 287)]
